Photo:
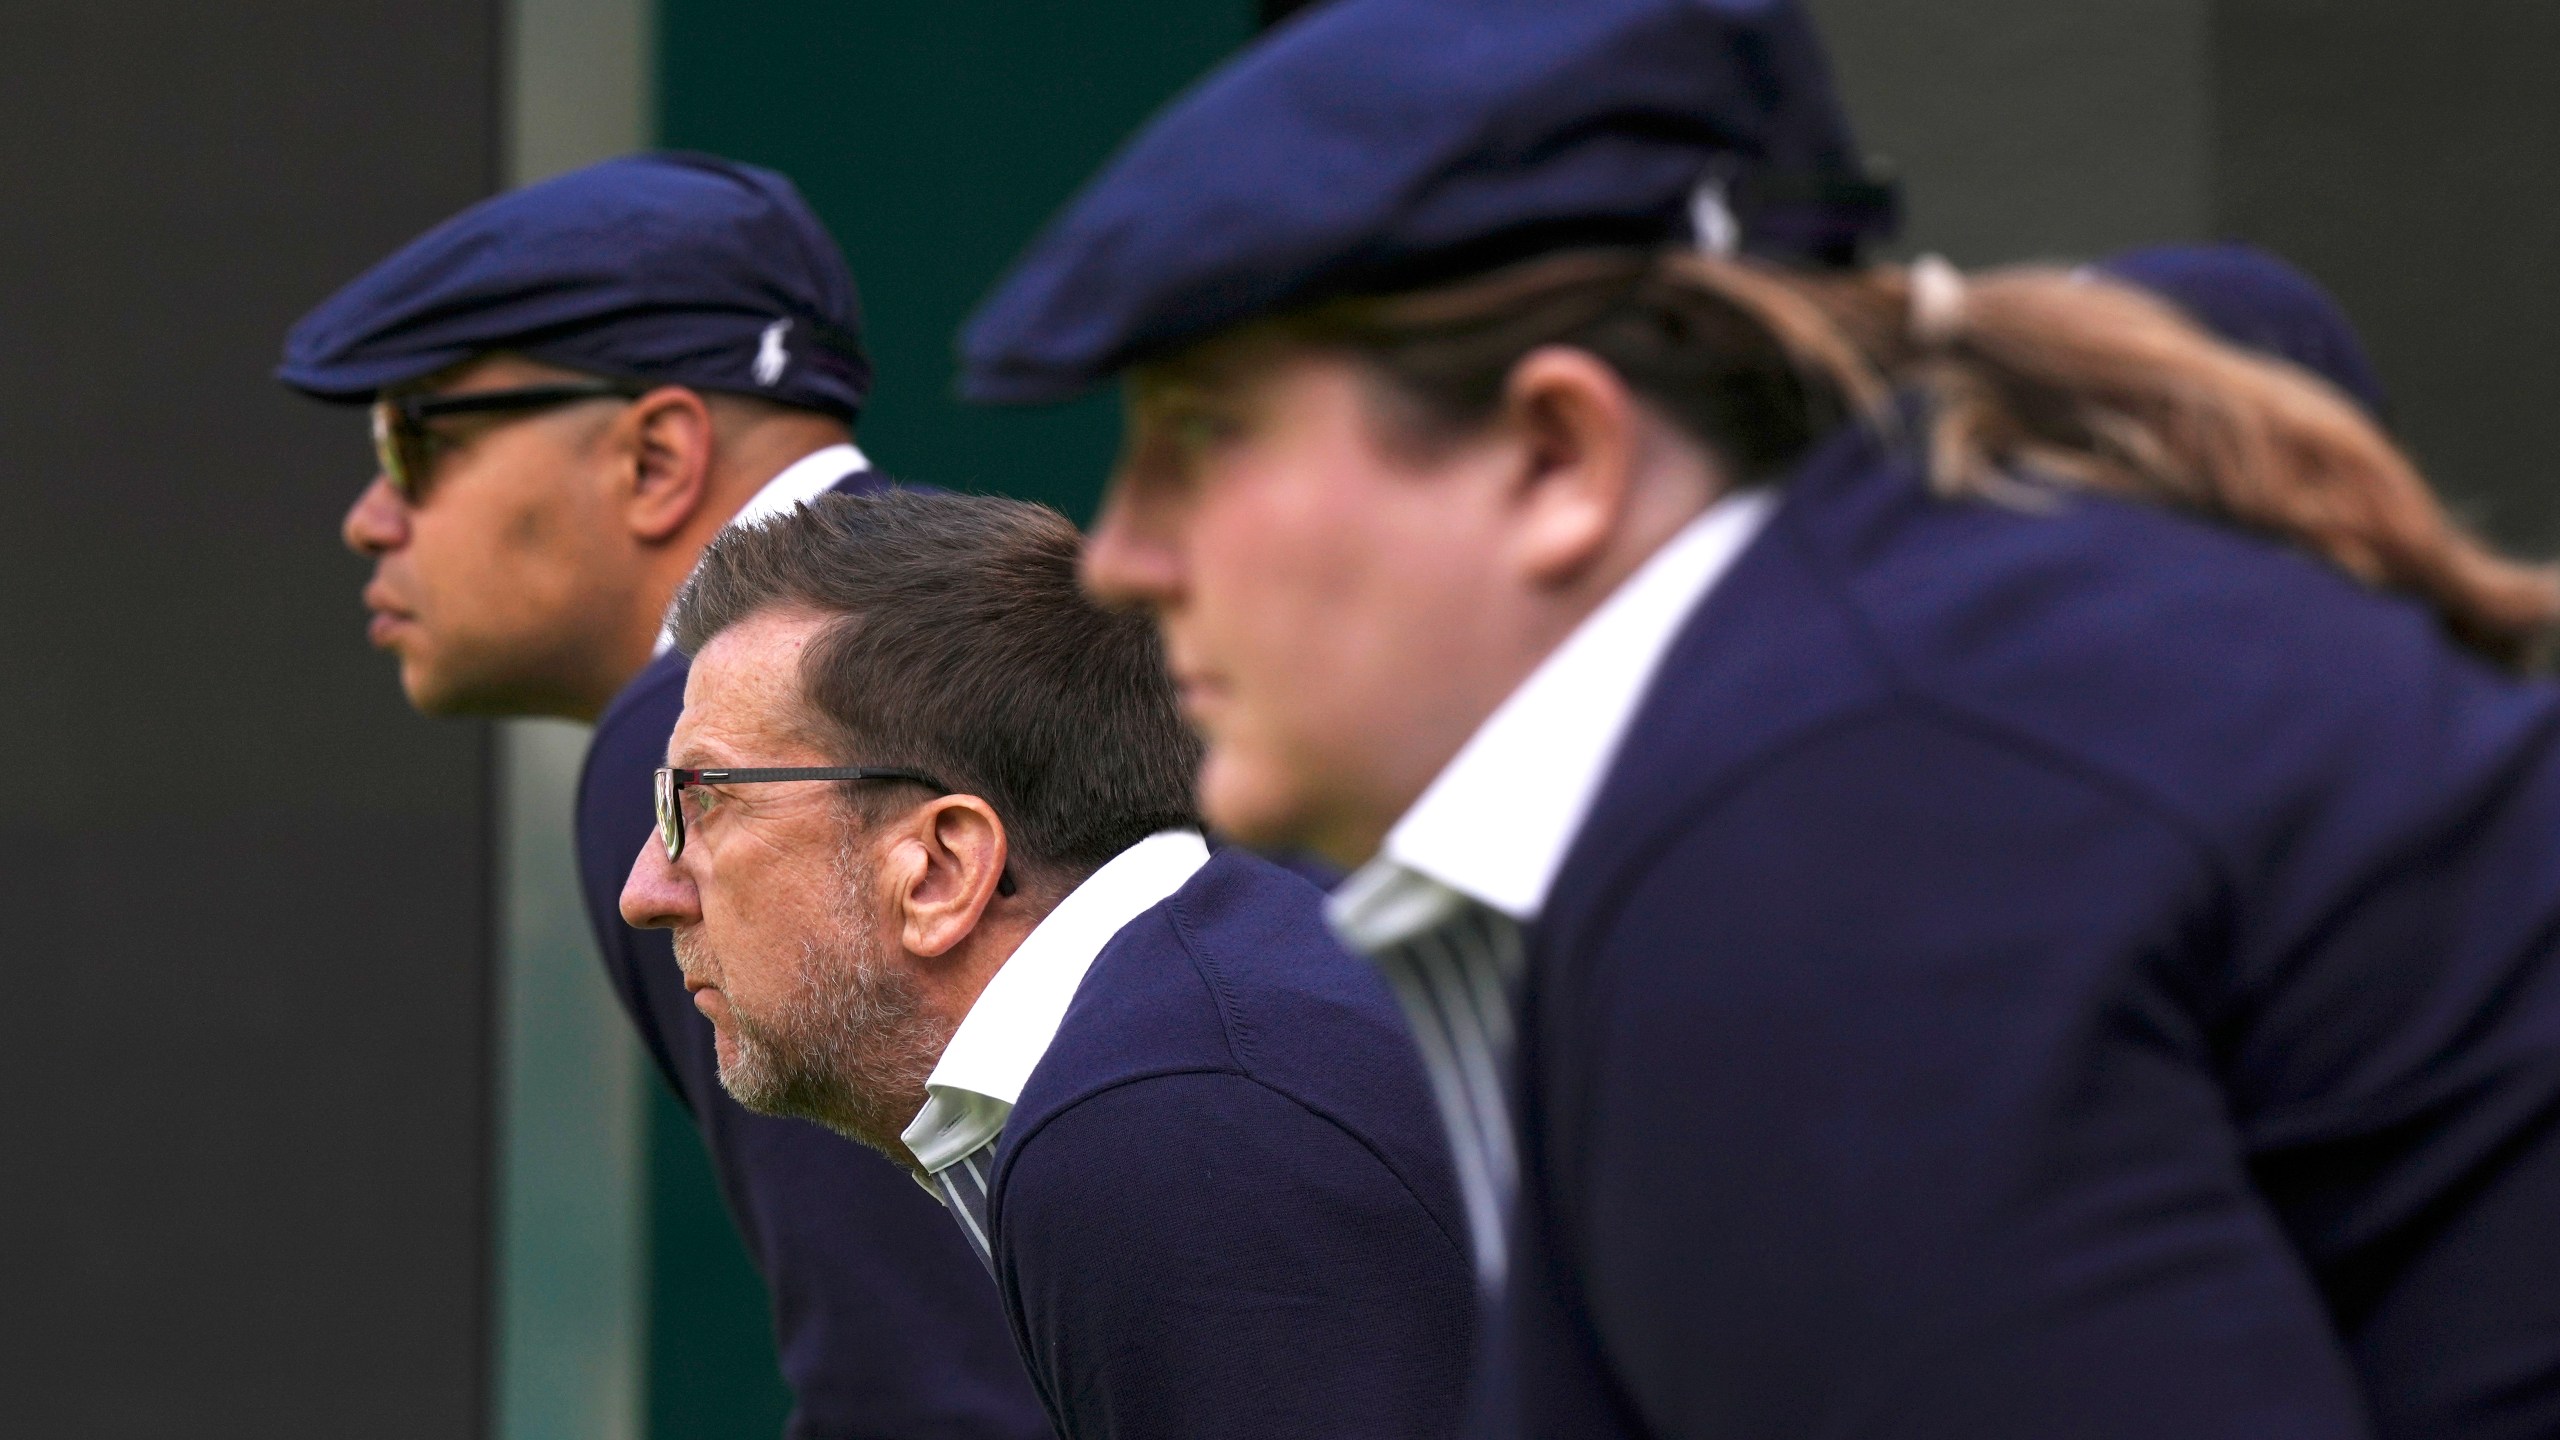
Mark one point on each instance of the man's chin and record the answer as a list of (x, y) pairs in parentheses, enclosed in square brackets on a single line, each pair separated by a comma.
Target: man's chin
[(443, 693), (432, 692), (763, 1082), (1257, 806), (755, 1084), (752, 1083)]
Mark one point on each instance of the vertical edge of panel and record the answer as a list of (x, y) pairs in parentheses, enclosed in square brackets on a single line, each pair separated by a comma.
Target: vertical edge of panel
[(570, 1332)]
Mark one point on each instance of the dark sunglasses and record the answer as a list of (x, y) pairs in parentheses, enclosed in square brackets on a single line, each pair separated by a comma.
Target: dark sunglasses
[(406, 449)]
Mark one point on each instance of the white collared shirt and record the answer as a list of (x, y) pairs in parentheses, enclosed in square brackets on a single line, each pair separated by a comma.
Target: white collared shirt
[(801, 481), (1495, 824), (980, 1076)]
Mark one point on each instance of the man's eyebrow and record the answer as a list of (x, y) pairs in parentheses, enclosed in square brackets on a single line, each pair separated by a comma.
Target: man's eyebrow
[(1194, 380), (691, 756), (1189, 395)]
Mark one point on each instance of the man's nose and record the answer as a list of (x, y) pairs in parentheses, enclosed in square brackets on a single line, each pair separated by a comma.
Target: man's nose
[(378, 522), (1125, 562), (658, 895)]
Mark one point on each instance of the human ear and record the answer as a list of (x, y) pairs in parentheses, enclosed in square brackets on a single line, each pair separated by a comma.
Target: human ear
[(953, 856), (666, 436), (1576, 425)]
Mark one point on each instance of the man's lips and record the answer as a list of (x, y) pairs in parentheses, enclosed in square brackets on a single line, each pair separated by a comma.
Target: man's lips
[(388, 617), (1191, 684), (1203, 699)]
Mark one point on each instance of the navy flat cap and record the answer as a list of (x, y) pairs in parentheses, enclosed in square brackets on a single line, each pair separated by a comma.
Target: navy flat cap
[(1369, 146), (667, 269), (2253, 299)]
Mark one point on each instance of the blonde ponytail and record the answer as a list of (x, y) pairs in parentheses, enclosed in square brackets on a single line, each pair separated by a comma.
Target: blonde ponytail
[(2074, 379), (2044, 376)]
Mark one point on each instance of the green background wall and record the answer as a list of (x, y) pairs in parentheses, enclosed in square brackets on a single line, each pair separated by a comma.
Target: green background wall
[(934, 139)]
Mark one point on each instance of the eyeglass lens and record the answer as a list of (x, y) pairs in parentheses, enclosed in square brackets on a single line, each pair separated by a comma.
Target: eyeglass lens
[(670, 814), (400, 447)]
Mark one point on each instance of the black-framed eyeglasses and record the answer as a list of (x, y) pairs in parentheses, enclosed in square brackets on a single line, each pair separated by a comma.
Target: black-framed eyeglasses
[(406, 449), (673, 782)]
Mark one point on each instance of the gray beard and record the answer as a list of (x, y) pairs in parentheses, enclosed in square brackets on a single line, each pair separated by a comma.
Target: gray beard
[(851, 1043)]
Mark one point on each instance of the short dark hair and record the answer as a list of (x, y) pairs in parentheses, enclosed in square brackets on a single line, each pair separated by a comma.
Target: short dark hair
[(958, 643)]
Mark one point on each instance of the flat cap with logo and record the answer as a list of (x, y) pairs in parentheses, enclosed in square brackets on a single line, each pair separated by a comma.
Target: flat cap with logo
[(1370, 146), (650, 269), (641, 272)]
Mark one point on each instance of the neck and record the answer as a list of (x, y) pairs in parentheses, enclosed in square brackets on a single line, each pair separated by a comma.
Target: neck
[(961, 975)]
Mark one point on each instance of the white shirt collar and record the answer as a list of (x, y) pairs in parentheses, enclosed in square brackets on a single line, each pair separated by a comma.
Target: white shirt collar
[(801, 481), (1496, 822), (1000, 1041)]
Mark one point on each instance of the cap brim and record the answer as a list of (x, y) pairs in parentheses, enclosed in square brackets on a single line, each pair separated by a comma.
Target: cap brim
[(358, 381)]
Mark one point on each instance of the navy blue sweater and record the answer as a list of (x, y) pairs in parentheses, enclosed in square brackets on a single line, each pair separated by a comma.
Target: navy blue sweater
[(1222, 1207), (2087, 973), (880, 1310)]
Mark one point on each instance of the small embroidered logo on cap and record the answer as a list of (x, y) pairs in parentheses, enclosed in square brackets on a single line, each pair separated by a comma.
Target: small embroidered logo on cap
[(1711, 219), (770, 356)]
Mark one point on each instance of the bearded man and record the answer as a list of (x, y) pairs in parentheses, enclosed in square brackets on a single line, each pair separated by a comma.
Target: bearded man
[(927, 845)]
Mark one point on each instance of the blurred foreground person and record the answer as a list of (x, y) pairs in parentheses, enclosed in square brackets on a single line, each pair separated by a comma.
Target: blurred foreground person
[(1172, 1114), (2009, 831), (574, 387), (2256, 300)]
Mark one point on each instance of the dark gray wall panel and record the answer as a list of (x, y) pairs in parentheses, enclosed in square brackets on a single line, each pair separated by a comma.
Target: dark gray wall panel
[(2033, 129), (247, 1125), (2405, 157)]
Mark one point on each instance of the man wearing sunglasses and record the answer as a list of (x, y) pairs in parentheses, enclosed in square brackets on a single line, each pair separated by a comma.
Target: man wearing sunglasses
[(574, 387), (928, 850)]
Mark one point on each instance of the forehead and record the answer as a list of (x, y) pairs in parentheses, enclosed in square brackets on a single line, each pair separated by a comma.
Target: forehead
[(1220, 367), (742, 697), (1286, 399), (491, 370)]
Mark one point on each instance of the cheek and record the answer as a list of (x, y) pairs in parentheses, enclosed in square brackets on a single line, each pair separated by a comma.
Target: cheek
[(458, 561), (762, 908), (1279, 562), (1330, 599), (1298, 616), (502, 537), (745, 923)]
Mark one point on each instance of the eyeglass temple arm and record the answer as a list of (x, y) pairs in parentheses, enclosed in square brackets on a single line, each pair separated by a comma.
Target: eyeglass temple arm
[(818, 772), (683, 778)]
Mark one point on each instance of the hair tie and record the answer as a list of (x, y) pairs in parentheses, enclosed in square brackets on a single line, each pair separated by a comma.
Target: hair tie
[(1937, 302)]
